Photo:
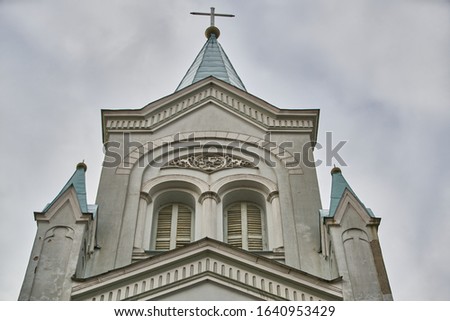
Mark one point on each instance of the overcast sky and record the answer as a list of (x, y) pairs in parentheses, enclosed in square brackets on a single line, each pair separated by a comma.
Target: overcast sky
[(378, 70)]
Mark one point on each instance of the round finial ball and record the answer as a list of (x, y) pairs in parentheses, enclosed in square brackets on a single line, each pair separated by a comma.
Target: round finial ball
[(82, 165), (335, 170), (212, 30)]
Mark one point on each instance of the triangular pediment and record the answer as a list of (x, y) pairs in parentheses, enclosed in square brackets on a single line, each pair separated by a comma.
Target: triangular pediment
[(207, 287), (207, 260), (349, 204), (65, 207), (211, 90)]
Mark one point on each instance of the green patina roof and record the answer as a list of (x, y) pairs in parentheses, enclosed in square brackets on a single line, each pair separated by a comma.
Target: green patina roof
[(211, 61), (78, 181), (338, 187)]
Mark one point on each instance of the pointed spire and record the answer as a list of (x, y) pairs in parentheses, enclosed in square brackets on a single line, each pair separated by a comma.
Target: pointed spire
[(338, 186), (78, 181), (212, 59)]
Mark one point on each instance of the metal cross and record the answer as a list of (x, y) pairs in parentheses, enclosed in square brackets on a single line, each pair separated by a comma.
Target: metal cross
[(212, 14)]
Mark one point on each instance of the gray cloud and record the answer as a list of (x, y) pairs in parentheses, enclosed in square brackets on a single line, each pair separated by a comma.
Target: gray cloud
[(378, 70)]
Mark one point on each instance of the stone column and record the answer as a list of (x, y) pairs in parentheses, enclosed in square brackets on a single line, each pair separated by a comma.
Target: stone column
[(209, 219), (275, 229)]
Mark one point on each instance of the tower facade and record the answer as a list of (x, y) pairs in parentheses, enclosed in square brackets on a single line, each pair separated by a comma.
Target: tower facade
[(209, 193)]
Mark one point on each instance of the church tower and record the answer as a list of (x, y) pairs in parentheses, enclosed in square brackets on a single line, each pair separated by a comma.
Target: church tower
[(209, 193)]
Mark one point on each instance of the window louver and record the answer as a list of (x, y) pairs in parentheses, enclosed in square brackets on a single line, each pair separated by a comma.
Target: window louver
[(244, 226), (164, 228), (234, 226), (183, 226), (254, 228)]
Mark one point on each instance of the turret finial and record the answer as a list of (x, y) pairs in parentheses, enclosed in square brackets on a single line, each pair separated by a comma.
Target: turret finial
[(335, 170), (82, 165)]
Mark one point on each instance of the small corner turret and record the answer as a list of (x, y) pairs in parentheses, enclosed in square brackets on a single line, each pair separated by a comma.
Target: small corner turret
[(352, 230), (63, 238)]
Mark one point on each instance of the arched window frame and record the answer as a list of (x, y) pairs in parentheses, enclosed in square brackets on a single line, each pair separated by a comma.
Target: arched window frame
[(263, 190), (173, 198)]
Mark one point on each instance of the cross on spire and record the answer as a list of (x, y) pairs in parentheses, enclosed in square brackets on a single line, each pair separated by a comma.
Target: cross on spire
[(212, 14)]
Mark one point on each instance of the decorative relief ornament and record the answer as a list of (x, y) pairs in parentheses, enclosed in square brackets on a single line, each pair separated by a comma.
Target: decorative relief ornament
[(209, 162)]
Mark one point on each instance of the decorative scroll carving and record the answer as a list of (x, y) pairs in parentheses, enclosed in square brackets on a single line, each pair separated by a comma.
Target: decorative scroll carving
[(209, 162)]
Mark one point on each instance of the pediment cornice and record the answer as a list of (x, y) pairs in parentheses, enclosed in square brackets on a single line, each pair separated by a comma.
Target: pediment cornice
[(349, 199), (211, 90), (210, 258), (68, 198)]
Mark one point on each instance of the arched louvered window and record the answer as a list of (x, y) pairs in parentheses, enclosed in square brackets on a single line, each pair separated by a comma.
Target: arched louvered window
[(174, 227), (244, 226)]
